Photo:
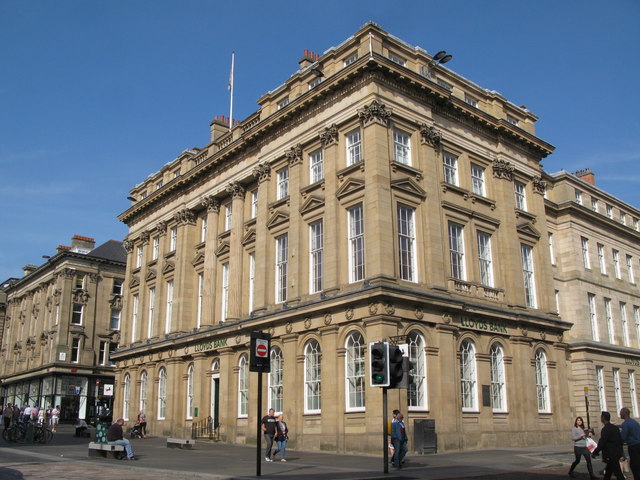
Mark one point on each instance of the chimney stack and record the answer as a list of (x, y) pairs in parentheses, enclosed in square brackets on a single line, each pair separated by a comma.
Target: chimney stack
[(62, 248), (308, 59), (27, 269), (219, 126), (586, 175)]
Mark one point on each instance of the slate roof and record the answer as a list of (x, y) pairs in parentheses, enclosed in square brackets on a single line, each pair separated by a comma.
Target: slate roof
[(111, 250)]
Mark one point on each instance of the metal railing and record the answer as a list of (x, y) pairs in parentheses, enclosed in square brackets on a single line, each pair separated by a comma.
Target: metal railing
[(205, 428)]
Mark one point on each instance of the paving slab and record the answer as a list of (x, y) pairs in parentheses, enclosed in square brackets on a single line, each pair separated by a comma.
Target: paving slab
[(66, 458)]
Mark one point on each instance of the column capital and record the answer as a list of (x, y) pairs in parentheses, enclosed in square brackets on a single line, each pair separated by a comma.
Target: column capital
[(211, 203), (329, 136), (376, 112), (236, 189)]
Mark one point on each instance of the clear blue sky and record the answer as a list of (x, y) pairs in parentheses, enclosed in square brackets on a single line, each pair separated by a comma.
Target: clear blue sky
[(96, 95)]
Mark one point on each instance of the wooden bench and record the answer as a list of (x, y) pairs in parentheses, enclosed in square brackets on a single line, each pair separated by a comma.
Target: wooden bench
[(105, 450), (180, 443)]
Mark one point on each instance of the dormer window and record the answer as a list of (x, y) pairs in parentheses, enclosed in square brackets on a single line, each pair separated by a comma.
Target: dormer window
[(283, 103), (397, 59), (350, 59), (512, 120), (445, 85), (315, 82), (471, 100)]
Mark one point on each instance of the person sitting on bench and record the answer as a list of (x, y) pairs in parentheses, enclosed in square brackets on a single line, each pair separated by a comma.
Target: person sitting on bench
[(115, 436), (81, 427)]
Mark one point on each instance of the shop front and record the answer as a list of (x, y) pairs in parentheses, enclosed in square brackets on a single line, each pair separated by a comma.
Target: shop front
[(79, 396)]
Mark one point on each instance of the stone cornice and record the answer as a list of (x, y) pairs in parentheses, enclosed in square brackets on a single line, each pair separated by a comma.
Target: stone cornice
[(377, 69)]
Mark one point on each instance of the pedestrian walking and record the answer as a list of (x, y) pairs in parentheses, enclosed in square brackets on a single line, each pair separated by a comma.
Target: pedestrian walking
[(55, 418), (41, 416), (391, 449), (7, 413), (630, 433), (610, 444), (269, 429), (282, 436), (579, 436), (399, 439), (142, 422)]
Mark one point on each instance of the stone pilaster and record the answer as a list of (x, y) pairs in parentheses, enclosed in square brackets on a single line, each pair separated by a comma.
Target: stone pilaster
[(209, 314), (236, 255)]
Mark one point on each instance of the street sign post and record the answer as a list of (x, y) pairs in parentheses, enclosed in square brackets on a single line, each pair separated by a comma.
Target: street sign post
[(259, 362)]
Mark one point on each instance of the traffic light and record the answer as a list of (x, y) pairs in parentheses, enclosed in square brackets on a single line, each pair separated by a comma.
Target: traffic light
[(379, 363), (396, 370), (408, 380)]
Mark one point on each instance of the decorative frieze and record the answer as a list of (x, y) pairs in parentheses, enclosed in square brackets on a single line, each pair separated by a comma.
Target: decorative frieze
[(116, 302), (429, 135), (80, 296), (329, 136), (503, 169), (376, 112)]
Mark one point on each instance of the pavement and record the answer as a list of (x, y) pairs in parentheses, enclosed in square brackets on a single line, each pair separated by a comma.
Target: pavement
[(66, 458)]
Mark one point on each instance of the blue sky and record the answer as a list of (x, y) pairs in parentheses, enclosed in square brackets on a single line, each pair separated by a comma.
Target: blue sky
[(96, 95)]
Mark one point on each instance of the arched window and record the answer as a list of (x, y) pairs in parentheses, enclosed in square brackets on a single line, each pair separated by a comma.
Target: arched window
[(498, 386), (215, 365), (312, 377), (143, 392), (275, 379), (162, 394), (126, 396), (354, 368), (468, 377), (542, 382), (243, 386), (417, 394), (190, 392)]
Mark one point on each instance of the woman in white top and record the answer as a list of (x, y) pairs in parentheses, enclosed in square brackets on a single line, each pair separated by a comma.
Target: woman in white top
[(55, 417)]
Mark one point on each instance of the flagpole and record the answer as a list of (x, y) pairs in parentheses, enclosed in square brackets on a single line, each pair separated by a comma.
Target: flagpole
[(233, 58)]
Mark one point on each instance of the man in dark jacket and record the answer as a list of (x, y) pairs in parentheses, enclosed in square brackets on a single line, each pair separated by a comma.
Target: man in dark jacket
[(399, 439), (115, 437), (610, 444)]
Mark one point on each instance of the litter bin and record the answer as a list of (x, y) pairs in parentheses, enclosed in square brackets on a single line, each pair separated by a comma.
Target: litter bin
[(425, 439)]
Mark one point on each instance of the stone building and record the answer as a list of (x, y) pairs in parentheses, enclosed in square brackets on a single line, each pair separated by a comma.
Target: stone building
[(62, 322), (375, 194), (594, 239)]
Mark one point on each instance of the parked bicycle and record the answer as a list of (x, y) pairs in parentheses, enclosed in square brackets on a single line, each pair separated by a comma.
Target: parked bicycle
[(17, 433), (42, 434)]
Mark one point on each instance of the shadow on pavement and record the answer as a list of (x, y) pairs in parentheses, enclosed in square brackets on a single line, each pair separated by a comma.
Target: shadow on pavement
[(10, 474)]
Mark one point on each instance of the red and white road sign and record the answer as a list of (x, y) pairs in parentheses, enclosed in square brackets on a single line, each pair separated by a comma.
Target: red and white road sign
[(262, 348)]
